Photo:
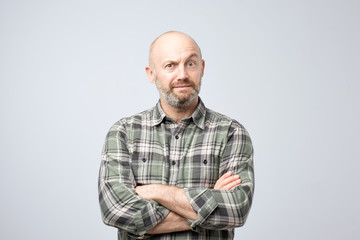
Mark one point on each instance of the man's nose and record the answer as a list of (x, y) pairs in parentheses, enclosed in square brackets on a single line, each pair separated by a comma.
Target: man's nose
[(182, 74)]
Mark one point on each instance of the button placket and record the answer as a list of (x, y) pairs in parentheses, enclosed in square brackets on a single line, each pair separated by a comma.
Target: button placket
[(176, 151), (175, 155), (174, 161)]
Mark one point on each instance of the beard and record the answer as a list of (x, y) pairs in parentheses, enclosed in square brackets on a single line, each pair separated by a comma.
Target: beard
[(178, 101)]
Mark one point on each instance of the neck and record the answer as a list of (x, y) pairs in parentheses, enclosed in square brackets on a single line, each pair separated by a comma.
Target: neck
[(179, 113)]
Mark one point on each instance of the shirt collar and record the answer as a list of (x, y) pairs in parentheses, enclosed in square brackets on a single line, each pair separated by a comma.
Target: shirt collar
[(158, 115), (198, 115)]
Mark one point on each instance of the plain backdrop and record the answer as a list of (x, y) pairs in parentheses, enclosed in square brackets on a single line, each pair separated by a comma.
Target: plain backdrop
[(289, 71)]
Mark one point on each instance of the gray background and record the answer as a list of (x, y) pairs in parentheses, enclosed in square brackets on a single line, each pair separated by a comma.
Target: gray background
[(288, 70)]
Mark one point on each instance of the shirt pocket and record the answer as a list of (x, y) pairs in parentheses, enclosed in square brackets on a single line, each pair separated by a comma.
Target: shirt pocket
[(209, 172), (199, 171), (149, 168)]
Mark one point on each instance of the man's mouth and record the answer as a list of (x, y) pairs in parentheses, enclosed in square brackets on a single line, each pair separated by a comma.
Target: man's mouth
[(182, 86)]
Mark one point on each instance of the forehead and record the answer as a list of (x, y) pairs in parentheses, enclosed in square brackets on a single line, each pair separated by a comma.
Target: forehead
[(174, 46)]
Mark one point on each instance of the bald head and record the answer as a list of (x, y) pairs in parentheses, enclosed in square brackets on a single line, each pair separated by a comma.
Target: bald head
[(176, 67), (170, 40)]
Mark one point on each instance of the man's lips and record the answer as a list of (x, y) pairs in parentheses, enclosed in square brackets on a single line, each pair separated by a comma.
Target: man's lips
[(182, 86)]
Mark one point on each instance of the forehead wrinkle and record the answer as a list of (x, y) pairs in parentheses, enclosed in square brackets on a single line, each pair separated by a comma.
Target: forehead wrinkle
[(181, 58)]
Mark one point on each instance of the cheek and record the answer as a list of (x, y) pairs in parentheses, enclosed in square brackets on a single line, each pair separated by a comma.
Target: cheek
[(167, 78), (195, 77), (195, 73)]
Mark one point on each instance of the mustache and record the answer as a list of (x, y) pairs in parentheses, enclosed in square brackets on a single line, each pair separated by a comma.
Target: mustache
[(182, 82)]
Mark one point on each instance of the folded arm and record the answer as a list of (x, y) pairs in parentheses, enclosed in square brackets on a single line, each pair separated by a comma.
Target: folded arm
[(120, 206), (172, 223), (228, 204), (227, 209), (174, 199)]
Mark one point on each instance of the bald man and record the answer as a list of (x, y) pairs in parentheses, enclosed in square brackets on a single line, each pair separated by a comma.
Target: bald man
[(179, 170)]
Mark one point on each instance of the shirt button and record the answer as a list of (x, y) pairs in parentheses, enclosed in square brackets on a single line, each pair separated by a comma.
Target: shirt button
[(205, 161), (176, 137), (144, 159), (173, 162)]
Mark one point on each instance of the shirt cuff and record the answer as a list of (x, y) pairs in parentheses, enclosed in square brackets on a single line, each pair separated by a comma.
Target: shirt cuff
[(140, 222), (203, 203)]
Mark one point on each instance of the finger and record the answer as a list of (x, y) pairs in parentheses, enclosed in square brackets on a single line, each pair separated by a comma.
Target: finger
[(232, 184), (226, 175), (228, 180), (221, 183)]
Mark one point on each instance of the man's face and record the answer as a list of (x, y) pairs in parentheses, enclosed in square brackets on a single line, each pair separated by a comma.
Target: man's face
[(177, 70)]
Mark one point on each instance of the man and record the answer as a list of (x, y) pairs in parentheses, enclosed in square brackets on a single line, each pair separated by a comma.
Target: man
[(179, 170)]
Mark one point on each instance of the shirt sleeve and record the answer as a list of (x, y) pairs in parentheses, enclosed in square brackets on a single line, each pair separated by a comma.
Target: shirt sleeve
[(224, 209), (120, 206)]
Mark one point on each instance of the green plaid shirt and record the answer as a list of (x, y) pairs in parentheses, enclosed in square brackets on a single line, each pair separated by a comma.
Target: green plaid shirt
[(151, 148)]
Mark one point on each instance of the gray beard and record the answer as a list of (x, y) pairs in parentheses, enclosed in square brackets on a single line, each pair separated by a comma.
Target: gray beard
[(173, 100)]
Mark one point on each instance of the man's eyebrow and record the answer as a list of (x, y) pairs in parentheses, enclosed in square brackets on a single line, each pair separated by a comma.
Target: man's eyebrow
[(193, 55), (171, 60)]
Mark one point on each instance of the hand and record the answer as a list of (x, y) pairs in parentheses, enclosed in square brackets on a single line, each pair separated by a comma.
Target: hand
[(171, 197), (172, 223), (227, 181)]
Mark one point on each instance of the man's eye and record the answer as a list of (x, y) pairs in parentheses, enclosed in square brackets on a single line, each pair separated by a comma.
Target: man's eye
[(191, 64), (169, 65)]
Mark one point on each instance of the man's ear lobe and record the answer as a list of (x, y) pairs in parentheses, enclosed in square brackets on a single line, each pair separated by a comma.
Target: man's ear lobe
[(150, 74)]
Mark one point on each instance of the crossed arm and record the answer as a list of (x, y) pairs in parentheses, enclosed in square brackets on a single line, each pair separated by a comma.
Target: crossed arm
[(174, 199), (160, 208)]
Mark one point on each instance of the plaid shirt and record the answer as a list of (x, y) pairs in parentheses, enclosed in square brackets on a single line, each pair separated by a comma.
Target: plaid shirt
[(151, 148)]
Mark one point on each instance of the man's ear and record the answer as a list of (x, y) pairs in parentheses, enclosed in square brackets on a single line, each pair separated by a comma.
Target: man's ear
[(150, 74), (203, 67)]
